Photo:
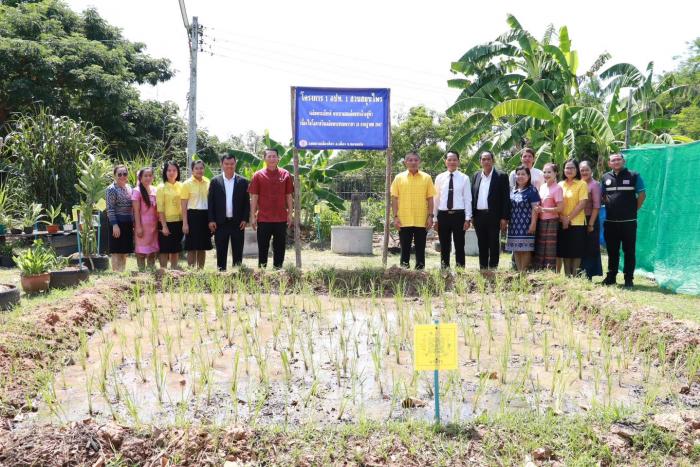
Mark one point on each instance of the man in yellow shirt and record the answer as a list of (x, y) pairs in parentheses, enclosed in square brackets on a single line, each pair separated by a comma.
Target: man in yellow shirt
[(412, 193)]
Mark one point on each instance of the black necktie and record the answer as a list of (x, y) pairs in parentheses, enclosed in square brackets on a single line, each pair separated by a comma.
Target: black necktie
[(450, 193)]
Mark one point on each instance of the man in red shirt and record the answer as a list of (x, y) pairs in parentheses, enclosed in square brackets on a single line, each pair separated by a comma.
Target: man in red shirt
[(271, 208)]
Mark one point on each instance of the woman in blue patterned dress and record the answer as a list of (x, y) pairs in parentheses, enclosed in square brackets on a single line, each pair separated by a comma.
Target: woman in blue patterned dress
[(523, 219)]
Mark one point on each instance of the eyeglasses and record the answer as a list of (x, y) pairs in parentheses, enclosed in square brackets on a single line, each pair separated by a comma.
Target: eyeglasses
[(122, 174)]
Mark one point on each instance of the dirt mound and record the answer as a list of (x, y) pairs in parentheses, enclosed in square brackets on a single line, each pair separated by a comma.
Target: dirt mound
[(44, 335)]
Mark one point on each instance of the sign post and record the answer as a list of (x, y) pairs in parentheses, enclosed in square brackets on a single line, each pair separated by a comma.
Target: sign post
[(435, 349), (341, 118)]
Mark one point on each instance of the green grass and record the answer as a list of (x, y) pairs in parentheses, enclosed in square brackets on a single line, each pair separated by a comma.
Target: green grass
[(645, 294)]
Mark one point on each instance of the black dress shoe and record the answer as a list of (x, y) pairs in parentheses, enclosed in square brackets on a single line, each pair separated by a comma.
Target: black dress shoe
[(609, 280), (629, 283)]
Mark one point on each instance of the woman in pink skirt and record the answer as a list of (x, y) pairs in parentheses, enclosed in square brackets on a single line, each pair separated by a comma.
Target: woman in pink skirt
[(145, 219)]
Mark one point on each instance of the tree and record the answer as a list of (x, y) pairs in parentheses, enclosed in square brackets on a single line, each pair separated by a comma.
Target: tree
[(685, 110), (519, 91), (80, 66), (45, 151)]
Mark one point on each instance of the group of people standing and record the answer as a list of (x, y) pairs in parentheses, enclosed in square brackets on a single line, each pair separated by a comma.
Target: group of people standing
[(549, 223), (152, 221)]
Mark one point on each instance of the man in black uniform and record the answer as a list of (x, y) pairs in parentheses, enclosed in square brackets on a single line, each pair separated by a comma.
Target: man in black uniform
[(623, 194)]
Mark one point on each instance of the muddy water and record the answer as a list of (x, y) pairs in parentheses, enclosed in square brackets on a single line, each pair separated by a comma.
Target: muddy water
[(296, 359)]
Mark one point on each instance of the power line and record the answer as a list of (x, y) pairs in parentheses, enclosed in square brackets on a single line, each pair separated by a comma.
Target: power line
[(296, 46), (330, 69), (302, 72)]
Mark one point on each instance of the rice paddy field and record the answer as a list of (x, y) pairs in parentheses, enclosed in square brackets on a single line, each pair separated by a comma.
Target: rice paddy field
[(317, 368)]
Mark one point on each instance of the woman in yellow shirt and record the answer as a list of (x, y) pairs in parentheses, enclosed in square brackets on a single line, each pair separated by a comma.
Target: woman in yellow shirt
[(195, 215), (170, 215), (571, 238)]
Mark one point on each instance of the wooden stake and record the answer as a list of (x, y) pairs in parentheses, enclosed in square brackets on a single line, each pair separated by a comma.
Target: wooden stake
[(297, 187), (387, 200)]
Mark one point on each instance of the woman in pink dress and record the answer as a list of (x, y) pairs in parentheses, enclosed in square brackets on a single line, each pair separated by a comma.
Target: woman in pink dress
[(145, 219), (552, 202)]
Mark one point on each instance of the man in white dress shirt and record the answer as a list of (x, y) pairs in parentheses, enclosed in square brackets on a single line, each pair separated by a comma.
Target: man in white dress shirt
[(536, 175), (453, 209)]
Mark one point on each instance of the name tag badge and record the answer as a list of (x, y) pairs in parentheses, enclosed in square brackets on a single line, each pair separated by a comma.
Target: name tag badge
[(625, 182)]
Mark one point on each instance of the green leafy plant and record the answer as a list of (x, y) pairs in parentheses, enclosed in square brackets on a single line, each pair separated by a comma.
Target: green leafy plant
[(47, 151), (329, 218), (35, 260), (5, 200), (53, 213), (32, 215), (6, 249), (91, 185)]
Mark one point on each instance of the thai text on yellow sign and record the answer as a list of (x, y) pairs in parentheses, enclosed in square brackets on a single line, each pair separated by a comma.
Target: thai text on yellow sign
[(435, 347)]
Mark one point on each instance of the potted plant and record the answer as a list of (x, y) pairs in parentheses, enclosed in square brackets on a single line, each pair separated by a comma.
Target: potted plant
[(63, 276), (91, 185), (15, 226), (53, 213), (34, 264), (6, 253), (31, 217), (67, 222), (9, 296), (4, 209)]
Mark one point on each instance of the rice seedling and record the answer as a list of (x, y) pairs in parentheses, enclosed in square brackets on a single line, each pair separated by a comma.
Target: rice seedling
[(480, 390), (131, 405), (158, 375), (377, 361), (692, 365), (47, 392), (83, 351), (504, 358), (661, 349), (579, 359)]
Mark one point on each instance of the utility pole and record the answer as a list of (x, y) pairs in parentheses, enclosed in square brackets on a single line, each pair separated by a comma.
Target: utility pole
[(192, 96)]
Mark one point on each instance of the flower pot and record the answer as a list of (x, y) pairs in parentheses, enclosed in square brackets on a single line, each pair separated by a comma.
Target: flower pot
[(351, 240), (15, 231), (7, 262), (67, 227), (69, 277), (3, 229), (94, 263), (53, 228), (9, 296), (36, 283), (29, 230)]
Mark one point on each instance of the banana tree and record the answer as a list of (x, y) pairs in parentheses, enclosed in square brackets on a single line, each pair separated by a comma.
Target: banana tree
[(648, 121), (317, 170), (519, 90)]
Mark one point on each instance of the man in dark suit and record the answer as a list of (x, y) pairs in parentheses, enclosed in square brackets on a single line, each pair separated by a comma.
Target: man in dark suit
[(491, 210), (229, 210)]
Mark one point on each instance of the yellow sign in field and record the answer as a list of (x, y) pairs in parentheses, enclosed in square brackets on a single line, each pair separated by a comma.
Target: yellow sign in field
[(435, 347)]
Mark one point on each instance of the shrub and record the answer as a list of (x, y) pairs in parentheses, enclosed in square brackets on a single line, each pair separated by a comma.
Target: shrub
[(329, 218)]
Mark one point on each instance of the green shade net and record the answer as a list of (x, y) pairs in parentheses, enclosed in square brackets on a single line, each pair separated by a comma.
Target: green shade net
[(668, 234)]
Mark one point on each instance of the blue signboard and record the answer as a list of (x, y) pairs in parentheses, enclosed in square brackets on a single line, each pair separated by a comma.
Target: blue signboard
[(330, 118)]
